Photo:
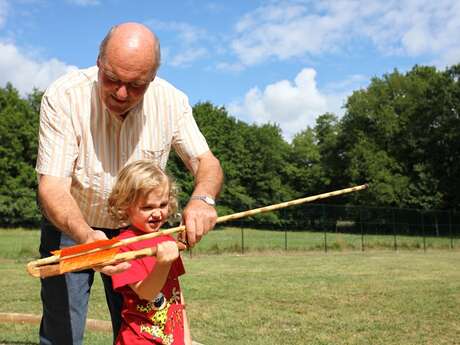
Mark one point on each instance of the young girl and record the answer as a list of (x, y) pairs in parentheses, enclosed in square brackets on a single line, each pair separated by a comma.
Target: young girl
[(153, 306)]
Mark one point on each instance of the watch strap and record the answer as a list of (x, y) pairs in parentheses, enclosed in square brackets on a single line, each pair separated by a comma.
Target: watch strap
[(205, 198)]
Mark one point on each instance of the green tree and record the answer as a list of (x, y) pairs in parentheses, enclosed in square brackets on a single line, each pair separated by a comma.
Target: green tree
[(267, 175), (397, 134), (305, 171), (18, 151), (327, 130), (441, 139), (253, 157), (225, 137)]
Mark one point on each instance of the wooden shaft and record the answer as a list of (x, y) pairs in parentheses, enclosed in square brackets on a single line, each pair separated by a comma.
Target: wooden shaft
[(288, 203), (235, 216), (32, 266)]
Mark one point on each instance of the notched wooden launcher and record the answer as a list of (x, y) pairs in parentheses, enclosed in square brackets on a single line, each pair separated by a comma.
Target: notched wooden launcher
[(105, 252)]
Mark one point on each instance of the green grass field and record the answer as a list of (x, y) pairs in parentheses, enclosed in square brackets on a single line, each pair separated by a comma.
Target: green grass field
[(404, 297), (236, 240)]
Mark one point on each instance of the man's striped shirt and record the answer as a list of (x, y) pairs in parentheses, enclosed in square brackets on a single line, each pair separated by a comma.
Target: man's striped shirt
[(79, 138)]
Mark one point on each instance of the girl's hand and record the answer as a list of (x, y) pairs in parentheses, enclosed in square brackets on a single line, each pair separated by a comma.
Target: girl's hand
[(167, 252)]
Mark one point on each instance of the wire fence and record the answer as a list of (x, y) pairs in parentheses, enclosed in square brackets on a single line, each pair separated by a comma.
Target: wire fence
[(337, 227)]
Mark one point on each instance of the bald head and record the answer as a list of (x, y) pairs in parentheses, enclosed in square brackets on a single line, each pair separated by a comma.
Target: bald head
[(133, 43), (128, 60)]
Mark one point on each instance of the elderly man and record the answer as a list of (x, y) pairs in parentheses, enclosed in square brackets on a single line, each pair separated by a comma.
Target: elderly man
[(92, 123)]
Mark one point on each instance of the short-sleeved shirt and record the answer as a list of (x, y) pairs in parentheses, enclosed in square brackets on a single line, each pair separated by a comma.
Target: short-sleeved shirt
[(149, 322), (79, 138)]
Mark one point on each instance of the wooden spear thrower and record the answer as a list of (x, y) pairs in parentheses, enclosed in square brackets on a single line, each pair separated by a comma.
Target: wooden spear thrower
[(105, 252)]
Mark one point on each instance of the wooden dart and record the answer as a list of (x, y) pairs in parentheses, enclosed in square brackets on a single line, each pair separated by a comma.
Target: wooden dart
[(105, 252)]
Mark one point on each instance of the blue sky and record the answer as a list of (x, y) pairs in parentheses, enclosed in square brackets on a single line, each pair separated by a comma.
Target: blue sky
[(284, 62)]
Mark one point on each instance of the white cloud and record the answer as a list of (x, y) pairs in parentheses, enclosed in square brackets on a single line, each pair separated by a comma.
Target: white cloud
[(24, 72), (232, 67), (185, 58), (287, 29), (186, 47), (84, 2), (295, 105), (292, 105)]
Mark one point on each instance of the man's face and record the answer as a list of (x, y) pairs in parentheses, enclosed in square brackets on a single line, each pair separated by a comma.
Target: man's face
[(121, 89)]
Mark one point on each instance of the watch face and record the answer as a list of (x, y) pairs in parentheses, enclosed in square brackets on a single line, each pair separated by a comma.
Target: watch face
[(205, 198), (209, 200)]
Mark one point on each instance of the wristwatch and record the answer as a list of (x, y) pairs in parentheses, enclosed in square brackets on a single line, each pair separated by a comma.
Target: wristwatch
[(207, 199)]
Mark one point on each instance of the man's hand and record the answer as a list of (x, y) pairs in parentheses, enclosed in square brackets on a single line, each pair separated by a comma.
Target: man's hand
[(109, 270), (199, 218)]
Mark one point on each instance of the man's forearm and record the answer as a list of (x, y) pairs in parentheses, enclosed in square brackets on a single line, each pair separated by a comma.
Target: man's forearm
[(200, 217), (61, 209), (209, 176)]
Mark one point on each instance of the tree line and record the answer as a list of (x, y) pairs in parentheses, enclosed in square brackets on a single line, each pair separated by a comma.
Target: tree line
[(401, 134)]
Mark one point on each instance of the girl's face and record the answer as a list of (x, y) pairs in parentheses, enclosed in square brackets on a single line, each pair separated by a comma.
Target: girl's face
[(149, 214)]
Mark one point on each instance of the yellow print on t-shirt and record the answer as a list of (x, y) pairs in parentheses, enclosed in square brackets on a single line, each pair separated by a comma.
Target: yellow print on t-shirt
[(159, 318)]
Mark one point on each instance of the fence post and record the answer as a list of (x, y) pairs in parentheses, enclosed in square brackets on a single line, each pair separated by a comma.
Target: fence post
[(242, 241), (423, 232), (362, 229), (394, 230), (324, 227), (450, 231), (285, 240)]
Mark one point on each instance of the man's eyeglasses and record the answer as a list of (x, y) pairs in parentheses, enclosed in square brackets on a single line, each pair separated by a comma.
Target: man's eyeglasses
[(112, 78)]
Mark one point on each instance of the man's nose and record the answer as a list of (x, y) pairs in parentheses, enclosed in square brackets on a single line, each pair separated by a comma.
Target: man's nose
[(122, 92)]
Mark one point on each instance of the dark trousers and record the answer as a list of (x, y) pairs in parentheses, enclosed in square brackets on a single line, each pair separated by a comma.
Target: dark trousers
[(65, 297)]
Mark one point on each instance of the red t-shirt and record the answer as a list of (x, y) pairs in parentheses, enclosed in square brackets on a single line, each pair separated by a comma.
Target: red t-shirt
[(149, 322)]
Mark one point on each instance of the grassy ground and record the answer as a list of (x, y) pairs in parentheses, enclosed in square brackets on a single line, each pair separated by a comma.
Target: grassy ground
[(372, 297)]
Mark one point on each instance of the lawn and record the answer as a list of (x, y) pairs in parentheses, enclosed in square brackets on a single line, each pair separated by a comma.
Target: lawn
[(276, 297), (240, 240)]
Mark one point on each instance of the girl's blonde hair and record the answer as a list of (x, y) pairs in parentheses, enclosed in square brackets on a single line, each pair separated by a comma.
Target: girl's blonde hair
[(134, 182)]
